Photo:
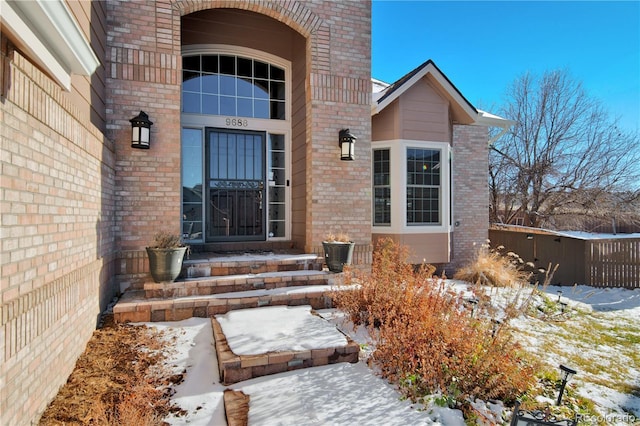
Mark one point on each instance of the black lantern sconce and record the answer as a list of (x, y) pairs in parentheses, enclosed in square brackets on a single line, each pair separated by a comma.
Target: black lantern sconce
[(140, 131), (566, 375), (347, 145)]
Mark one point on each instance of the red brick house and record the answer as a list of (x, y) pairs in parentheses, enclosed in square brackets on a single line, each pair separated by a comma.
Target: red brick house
[(247, 100)]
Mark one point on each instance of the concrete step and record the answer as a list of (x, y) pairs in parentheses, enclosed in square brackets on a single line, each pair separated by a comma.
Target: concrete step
[(334, 347), (234, 283)]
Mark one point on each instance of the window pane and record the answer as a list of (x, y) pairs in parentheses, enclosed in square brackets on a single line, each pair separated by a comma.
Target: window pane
[(423, 205), (191, 81), (210, 83), (423, 166), (191, 63), (244, 67), (228, 65), (245, 107), (276, 228), (210, 63), (277, 91), (191, 183), (261, 109), (260, 70), (381, 187), (277, 160), (191, 102), (382, 207), (423, 186), (210, 104), (192, 163), (277, 73), (276, 142), (227, 105), (381, 167), (245, 87), (277, 110), (276, 194), (261, 89), (227, 85)]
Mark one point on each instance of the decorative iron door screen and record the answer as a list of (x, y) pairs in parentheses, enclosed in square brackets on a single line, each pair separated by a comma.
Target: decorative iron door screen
[(235, 185)]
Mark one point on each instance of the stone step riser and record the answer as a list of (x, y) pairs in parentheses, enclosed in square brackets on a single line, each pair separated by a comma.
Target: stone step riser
[(237, 368), (221, 285), (219, 269), (178, 310)]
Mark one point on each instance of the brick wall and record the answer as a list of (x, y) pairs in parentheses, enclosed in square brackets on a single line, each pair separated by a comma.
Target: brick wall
[(57, 212), (79, 205), (471, 192), (143, 73)]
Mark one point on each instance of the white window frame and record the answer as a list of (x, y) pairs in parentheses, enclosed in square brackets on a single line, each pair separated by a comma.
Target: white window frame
[(269, 126), (398, 180)]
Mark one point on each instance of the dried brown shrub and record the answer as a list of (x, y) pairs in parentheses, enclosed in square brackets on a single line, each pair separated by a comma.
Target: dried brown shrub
[(426, 340), (492, 267)]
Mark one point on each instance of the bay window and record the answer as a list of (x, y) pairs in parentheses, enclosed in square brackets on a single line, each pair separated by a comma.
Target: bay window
[(410, 187)]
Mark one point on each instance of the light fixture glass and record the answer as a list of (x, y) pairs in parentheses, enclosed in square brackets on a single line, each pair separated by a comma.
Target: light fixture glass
[(140, 131), (567, 373), (347, 143)]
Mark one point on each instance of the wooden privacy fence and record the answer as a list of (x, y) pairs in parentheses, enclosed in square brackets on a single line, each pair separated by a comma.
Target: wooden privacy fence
[(614, 262), (611, 262)]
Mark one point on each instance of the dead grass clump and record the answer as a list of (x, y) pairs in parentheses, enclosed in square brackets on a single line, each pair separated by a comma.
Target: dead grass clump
[(426, 340), (118, 380), (492, 267)]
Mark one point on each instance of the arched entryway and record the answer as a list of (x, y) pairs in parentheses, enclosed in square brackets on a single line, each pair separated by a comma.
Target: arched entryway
[(243, 130)]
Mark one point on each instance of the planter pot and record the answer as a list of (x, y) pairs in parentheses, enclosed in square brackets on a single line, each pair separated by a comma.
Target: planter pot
[(337, 254), (165, 264)]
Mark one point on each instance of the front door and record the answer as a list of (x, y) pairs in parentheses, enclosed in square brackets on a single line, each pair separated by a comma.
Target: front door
[(235, 185)]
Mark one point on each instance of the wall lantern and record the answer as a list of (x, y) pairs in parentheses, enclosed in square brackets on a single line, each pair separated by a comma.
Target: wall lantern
[(347, 145), (566, 375), (140, 131)]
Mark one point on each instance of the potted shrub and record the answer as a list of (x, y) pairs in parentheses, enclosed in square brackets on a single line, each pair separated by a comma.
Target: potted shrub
[(165, 256), (338, 251)]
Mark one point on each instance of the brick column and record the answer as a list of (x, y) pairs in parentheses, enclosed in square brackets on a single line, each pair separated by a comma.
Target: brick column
[(471, 192)]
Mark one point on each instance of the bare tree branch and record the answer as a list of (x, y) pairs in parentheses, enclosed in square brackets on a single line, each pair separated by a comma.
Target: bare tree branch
[(565, 156)]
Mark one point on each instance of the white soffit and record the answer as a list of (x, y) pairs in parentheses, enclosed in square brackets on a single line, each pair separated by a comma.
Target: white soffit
[(47, 32)]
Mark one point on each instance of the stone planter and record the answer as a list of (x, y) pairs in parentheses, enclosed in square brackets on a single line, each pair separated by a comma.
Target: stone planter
[(165, 264), (337, 254)]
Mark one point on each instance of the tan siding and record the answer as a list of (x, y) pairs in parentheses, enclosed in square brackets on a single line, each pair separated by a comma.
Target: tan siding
[(429, 248), (424, 113), (384, 126)]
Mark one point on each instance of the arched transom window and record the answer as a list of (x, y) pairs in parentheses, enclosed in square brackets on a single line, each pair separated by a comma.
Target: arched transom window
[(232, 86)]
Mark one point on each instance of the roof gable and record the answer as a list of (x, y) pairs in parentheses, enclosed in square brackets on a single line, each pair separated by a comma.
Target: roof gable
[(463, 111)]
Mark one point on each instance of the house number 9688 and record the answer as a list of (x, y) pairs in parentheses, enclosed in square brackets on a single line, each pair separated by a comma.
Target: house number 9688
[(237, 122)]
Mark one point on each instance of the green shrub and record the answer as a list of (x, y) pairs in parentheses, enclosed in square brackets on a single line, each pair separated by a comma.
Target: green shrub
[(426, 340)]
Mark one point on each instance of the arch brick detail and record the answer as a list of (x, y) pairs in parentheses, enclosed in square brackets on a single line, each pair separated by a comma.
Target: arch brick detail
[(294, 14)]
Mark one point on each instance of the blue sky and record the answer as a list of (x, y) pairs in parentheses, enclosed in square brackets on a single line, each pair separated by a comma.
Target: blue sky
[(482, 46)]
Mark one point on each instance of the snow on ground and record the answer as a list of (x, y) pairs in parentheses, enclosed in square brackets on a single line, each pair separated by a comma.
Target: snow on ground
[(354, 394), (338, 394), (278, 328)]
